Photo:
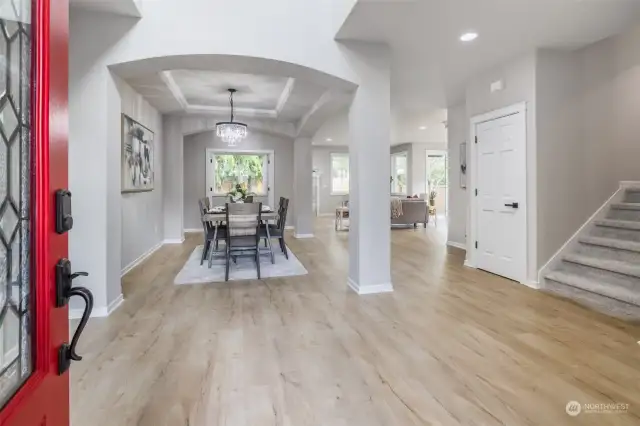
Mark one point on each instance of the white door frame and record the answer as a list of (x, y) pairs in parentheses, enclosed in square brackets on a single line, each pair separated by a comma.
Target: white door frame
[(271, 168), (472, 220)]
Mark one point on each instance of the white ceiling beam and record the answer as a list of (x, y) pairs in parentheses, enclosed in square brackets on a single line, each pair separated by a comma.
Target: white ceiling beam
[(285, 95), (174, 89)]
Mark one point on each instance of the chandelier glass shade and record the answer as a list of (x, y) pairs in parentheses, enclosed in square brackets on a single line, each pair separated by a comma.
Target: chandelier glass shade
[(230, 131)]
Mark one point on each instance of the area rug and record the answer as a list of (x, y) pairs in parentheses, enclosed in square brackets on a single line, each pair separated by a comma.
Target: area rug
[(245, 269)]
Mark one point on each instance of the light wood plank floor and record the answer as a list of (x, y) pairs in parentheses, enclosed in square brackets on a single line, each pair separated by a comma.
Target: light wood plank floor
[(451, 346)]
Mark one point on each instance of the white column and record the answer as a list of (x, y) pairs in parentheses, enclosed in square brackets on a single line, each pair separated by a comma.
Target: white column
[(173, 197), (302, 188), (369, 164)]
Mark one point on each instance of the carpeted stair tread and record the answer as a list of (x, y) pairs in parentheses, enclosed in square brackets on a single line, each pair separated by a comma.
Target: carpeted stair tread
[(626, 206), (595, 287), (620, 267), (612, 243), (621, 224)]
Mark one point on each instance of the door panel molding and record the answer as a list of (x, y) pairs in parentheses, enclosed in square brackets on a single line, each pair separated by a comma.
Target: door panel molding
[(473, 211)]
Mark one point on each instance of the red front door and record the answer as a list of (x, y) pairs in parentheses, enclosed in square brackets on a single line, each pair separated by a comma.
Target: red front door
[(33, 165)]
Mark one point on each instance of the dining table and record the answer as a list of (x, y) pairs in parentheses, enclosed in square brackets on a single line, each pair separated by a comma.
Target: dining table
[(217, 215)]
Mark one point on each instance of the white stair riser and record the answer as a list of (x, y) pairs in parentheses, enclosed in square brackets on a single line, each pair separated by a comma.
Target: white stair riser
[(606, 305), (609, 277), (608, 253), (619, 233)]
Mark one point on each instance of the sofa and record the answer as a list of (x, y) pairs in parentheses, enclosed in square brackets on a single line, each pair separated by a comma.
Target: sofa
[(414, 211)]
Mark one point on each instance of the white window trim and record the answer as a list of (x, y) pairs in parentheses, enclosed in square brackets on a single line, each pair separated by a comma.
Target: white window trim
[(209, 177), (332, 192), (437, 152), (391, 172), (530, 203)]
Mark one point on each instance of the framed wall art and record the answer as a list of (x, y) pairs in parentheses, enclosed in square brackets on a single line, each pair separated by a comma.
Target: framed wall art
[(137, 156), (463, 165)]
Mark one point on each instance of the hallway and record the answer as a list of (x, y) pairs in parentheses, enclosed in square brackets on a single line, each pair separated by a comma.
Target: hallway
[(450, 346)]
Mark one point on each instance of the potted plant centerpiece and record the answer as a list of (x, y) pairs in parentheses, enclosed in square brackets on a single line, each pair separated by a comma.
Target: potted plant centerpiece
[(239, 194)]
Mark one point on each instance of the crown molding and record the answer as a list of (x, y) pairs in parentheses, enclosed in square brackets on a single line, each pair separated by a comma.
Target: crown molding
[(175, 90)]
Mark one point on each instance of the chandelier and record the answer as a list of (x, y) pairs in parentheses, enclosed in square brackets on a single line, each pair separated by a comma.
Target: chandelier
[(230, 131)]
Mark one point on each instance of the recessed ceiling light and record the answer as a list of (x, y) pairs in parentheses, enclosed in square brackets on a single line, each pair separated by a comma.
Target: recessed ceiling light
[(422, 127), (329, 140), (468, 36)]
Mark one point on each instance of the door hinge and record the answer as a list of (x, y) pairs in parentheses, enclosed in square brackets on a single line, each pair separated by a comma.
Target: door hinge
[(476, 139), (476, 244), (211, 160), (476, 192)]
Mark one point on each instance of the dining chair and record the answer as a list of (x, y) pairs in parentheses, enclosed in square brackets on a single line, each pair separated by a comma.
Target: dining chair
[(249, 199), (212, 235), (277, 231), (243, 233)]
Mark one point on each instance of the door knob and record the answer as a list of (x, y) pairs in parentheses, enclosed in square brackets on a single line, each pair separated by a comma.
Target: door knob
[(514, 205)]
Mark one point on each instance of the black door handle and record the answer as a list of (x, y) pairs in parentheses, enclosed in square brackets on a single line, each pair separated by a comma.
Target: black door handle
[(64, 292), (514, 205)]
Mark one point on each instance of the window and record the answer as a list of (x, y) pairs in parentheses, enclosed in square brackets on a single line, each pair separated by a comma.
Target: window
[(339, 173), (399, 173), (437, 179), (248, 170)]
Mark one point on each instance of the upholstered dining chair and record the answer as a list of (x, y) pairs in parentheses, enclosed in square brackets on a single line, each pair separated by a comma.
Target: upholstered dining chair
[(249, 199), (243, 233)]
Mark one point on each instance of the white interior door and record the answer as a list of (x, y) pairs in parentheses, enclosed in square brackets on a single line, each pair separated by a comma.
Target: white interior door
[(501, 197)]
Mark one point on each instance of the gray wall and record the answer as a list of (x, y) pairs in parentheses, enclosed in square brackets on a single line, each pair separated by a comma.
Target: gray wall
[(563, 197), (611, 114), (322, 163), (519, 76), (142, 212), (458, 132), (195, 147), (582, 126)]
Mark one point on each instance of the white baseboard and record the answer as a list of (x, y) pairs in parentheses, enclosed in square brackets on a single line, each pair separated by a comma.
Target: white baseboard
[(302, 236), (326, 215), (531, 284), (573, 240), (140, 259), (101, 312), (461, 246), (174, 241), (370, 289), (469, 265), (115, 304), (193, 231), (289, 227)]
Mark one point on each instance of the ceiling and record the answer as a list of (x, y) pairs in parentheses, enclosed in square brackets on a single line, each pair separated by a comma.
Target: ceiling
[(206, 92), (431, 65)]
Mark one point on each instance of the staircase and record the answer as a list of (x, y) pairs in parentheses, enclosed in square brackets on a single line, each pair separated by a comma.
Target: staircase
[(600, 266)]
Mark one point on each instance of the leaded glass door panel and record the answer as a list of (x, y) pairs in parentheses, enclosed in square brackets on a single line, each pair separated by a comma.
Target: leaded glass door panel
[(33, 165)]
